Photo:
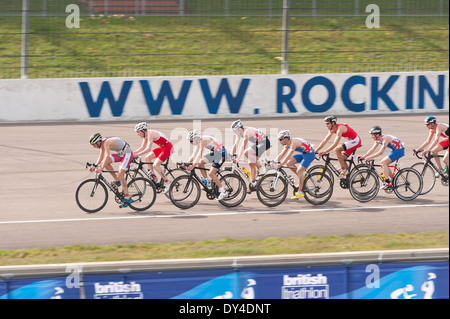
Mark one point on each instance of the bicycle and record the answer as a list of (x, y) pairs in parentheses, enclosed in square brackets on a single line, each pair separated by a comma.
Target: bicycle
[(92, 194), (331, 170), (245, 174), (185, 190), (143, 172), (272, 188), (364, 184), (429, 172)]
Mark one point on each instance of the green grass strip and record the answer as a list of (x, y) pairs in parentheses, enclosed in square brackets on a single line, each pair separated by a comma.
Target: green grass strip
[(225, 248)]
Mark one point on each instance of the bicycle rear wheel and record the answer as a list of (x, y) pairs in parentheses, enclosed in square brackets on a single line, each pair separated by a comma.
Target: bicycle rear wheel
[(320, 169), (407, 184), (428, 177), (364, 185), (184, 192), (91, 196), (142, 192), (317, 188), (235, 187), (271, 190)]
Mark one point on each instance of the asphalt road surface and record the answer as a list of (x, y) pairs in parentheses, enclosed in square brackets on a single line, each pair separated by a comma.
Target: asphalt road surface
[(42, 164)]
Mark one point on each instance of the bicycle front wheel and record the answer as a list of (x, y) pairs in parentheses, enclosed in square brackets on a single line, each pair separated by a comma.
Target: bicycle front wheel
[(235, 187), (428, 177), (407, 184), (172, 174), (364, 185), (271, 190), (184, 192), (91, 196), (317, 188), (142, 192)]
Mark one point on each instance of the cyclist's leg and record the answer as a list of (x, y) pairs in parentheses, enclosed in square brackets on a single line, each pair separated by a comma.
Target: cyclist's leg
[(112, 159), (446, 158), (251, 154), (438, 148), (150, 157), (304, 164), (125, 163)]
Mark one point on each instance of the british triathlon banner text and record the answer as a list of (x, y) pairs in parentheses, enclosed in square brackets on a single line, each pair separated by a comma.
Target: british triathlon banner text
[(222, 96)]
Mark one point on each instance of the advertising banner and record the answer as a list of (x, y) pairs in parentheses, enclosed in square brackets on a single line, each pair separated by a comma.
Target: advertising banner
[(427, 280), (158, 98)]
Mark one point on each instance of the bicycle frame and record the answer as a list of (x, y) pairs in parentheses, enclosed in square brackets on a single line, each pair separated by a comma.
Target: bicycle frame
[(429, 162), (99, 177), (327, 159)]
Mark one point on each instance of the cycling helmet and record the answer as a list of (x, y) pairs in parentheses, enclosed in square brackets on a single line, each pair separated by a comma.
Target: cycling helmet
[(330, 119), (375, 130), (140, 127), (430, 119), (192, 134), (236, 125), (95, 138), (283, 134)]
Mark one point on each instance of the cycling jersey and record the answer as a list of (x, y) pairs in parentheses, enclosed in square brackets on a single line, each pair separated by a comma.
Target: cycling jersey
[(350, 134), (217, 145), (121, 146), (305, 148), (259, 136), (395, 144), (124, 154), (162, 141)]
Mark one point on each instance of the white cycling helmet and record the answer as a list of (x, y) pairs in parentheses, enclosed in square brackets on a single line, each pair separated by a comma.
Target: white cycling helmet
[(140, 127), (236, 125), (192, 134), (283, 134)]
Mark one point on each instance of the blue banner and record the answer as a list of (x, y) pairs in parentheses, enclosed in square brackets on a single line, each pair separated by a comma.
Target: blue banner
[(427, 280)]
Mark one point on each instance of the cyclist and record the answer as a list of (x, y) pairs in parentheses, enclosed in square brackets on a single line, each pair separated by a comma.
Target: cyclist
[(217, 156), (344, 150), (304, 156), (385, 140), (437, 130), (161, 153), (260, 143), (124, 155)]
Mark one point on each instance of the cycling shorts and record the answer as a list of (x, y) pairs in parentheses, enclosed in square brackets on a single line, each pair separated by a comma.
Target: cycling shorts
[(305, 159), (217, 158), (261, 147), (396, 154), (125, 160), (351, 145), (444, 144), (164, 152)]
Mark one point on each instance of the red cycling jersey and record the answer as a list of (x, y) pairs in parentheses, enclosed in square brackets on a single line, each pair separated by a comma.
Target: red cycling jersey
[(350, 134)]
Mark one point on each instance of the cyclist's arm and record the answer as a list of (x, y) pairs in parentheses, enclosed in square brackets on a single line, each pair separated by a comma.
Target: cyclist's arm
[(288, 156), (325, 140), (141, 149), (106, 152), (244, 144), (236, 143), (427, 142), (372, 149), (386, 141), (437, 136), (336, 141), (281, 155)]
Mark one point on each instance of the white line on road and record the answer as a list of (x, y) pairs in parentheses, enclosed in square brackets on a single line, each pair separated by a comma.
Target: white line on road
[(262, 212)]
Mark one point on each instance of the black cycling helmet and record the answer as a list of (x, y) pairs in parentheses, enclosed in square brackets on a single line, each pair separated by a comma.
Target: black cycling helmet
[(331, 119), (375, 130)]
